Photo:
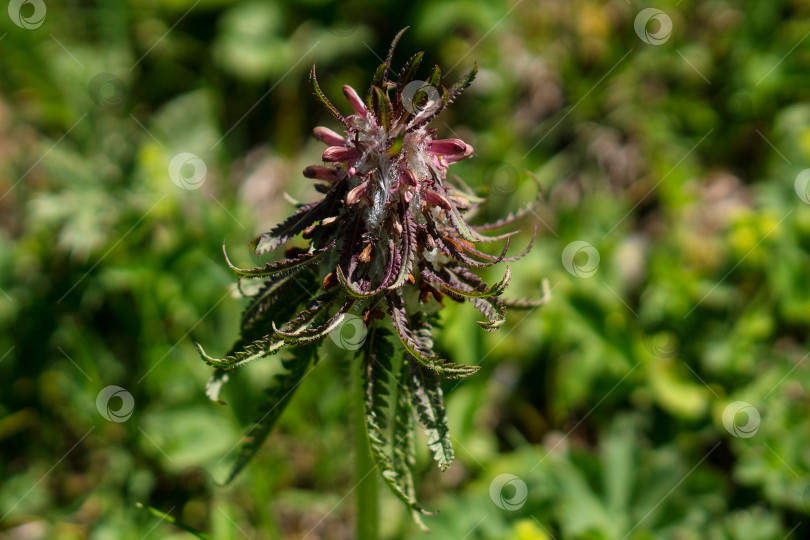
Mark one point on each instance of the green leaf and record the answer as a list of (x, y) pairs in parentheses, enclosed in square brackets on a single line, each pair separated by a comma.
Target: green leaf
[(276, 302), (260, 348), (409, 71), (379, 75), (418, 348), (493, 309), (279, 395), (382, 107), (427, 395), (462, 85), (316, 89), (377, 377), (435, 76), (403, 451), (300, 333), (282, 267)]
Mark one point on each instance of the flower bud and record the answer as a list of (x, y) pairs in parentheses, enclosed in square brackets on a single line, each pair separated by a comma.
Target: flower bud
[(328, 136), (340, 153), (355, 101), (447, 147), (320, 172)]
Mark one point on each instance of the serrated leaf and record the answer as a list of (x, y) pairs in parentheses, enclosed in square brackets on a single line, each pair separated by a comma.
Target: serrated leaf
[(279, 394), (379, 76), (493, 309), (290, 227), (429, 401), (282, 267), (403, 451), (463, 289), (409, 70), (462, 85), (276, 302), (418, 349), (377, 376), (382, 107), (260, 348), (302, 334), (316, 89)]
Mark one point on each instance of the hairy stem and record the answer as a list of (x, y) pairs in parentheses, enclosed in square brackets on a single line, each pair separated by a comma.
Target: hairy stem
[(365, 474)]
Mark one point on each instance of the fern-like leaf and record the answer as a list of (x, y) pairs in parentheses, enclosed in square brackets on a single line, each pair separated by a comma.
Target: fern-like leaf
[(377, 375), (279, 394), (418, 349), (260, 348), (285, 266), (427, 395), (403, 451)]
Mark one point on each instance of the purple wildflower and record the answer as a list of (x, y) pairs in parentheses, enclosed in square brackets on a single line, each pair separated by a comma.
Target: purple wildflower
[(388, 239)]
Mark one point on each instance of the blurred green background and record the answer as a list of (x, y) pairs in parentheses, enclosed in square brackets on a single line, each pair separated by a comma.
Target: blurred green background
[(663, 393)]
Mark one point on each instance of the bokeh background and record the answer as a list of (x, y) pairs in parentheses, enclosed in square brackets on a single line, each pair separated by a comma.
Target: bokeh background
[(662, 393)]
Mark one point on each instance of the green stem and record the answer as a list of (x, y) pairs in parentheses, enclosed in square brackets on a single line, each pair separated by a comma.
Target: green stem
[(364, 469)]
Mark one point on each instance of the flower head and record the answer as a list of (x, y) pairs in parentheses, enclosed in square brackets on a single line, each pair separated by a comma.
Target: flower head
[(388, 239)]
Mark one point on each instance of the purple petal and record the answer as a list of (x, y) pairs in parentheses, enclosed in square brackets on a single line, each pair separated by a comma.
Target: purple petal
[(355, 101), (328, 136)]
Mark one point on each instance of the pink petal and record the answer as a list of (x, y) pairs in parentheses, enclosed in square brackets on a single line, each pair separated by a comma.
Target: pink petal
[(321, 173), (355, 101), (434, 198), (328, 136), (447, 147), (468, 152), (340, 153)]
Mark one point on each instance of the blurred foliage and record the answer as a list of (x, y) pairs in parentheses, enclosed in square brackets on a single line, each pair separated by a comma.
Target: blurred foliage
[(676, 161)]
